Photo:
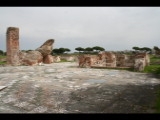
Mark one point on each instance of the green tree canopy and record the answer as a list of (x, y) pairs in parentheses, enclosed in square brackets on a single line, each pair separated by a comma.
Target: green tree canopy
[(136, 48), (142, 49), (60, 51), (156, 48), (145, 49), (55, 51), (88, 49), (1, 52), (98, 48), (79, 49), (67, 50)]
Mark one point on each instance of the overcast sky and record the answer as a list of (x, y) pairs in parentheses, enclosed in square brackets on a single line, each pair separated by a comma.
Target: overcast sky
[(113, 28)]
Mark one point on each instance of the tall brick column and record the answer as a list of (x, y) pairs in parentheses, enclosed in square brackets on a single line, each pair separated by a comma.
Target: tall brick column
[(12, 40)]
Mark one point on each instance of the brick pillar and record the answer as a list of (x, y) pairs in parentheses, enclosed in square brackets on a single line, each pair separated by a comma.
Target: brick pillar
[(12, 40)]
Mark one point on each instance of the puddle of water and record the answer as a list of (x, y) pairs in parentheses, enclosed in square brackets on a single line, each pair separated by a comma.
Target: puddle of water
[(96, 81)]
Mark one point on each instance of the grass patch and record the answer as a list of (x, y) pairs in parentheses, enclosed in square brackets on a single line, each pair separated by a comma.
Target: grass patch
[(152, 69), (128, 69), (154, 60), (2, 62), (2, 56), (154, 66), (158, 102), (63, 60)]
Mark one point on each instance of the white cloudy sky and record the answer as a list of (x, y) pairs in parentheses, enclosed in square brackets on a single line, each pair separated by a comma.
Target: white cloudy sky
[(113, 28)]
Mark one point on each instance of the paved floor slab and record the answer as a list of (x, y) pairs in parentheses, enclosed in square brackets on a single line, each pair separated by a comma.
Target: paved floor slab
[(65, 88)]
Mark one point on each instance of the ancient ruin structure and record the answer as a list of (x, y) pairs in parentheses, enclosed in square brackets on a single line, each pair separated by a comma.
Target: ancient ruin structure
[(123, 60), (109, 59), (120, 60), (30, 58), (88, 60), (35, 57), (46, 48), (48, 59), (40, 55), (83, 61), (141, 60), (145, 56), (156, 50), (139, 64), (12, 40), (129, 60)]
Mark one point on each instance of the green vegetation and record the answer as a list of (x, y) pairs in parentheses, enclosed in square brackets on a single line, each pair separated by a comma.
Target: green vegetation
[(155, 59), (89, 50), (158, 101), (2, 56), (63, 60), (146, 49), (120, 68), (2, 53), (58, 51), (154, 66), (152, 69), (79, 49), (2, 62)]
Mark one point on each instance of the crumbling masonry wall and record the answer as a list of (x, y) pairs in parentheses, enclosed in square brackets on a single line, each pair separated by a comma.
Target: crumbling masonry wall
[(109, 59), (12, 40)]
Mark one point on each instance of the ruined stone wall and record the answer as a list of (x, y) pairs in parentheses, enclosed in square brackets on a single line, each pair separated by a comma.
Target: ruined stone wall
[(12, 40), (129, 61), (120, 60), (84, 60), (103, 59), (145, 56), (109, 59), (140, 64)]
